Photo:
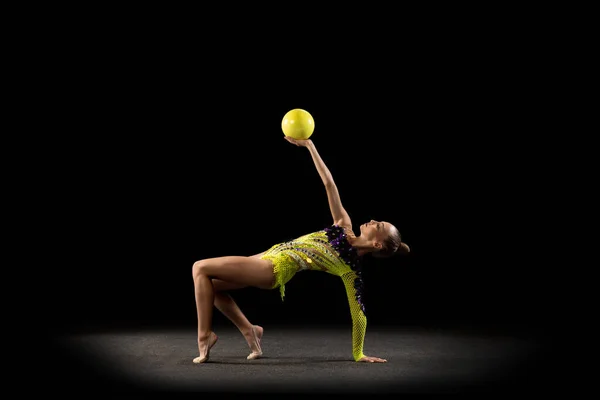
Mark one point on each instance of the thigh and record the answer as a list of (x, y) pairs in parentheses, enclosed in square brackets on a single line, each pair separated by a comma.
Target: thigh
[(239, 270)]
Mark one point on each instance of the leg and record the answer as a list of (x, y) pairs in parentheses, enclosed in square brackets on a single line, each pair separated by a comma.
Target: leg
[(225, 303), (242, 271)]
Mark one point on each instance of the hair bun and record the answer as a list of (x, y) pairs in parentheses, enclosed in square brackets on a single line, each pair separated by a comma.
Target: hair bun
[(404, 249)]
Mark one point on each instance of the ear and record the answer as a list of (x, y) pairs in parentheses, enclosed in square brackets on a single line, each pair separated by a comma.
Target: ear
[(377, 245)]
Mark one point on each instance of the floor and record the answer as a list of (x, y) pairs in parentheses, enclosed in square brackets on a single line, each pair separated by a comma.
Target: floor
[(299, 360)]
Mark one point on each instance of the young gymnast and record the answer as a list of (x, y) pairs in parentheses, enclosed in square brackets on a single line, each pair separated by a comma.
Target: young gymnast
[(335, 250)]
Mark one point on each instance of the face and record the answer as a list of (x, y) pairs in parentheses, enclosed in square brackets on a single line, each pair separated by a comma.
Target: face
[(376, 230)]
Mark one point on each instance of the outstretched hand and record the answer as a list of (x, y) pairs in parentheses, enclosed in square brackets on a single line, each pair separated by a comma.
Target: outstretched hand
[(297, 142), (372, 359)]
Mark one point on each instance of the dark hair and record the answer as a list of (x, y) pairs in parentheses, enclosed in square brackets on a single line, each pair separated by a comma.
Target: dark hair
[(392, 245)]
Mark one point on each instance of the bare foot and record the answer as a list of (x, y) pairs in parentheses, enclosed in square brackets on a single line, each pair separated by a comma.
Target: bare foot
[(254, 338), (254, 341), (204, 347)]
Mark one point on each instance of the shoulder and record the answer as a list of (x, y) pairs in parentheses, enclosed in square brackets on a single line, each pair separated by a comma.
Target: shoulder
[(337, 229), (340, 228), (344, 221), (348, 230)]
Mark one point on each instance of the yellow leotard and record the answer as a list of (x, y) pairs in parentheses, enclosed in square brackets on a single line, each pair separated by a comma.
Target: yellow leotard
[(327, 250)]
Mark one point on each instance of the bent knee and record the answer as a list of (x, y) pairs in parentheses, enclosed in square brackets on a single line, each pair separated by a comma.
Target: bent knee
[(198, 267)]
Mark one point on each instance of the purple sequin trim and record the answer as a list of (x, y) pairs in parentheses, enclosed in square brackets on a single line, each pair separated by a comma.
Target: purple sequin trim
[(337, 239)]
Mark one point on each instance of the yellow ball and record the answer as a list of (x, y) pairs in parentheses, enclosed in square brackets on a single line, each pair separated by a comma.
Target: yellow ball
[(298, 124)]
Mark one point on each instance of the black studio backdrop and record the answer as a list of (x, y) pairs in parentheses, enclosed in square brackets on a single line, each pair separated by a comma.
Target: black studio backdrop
[(166, 174)]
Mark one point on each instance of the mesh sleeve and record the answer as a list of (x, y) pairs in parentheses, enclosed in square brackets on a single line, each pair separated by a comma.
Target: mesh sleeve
[(359, 320)]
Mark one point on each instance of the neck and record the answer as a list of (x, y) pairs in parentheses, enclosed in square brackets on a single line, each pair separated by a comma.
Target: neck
[(361, 245)]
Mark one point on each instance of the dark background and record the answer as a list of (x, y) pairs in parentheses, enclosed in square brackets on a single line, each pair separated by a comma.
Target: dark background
[(157, 154), (158, 150), (164, 172)]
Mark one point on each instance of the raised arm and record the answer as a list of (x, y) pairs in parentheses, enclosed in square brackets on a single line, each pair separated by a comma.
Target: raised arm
[(339, 214)]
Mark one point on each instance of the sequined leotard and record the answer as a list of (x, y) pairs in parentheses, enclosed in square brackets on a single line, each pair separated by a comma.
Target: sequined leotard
[(327, 250)]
